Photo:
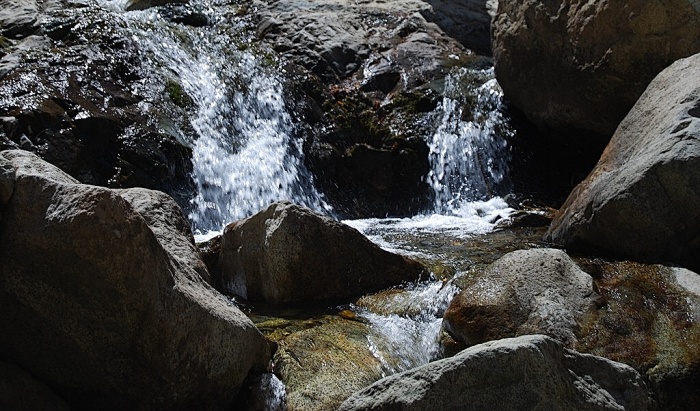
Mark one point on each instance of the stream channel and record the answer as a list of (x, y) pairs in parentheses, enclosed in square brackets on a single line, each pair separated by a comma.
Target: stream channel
[(246, 156)]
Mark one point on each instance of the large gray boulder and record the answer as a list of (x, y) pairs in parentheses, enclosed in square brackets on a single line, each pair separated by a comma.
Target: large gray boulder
[(103, 297), (524, 373), (537, 291), (287, 253), (642, 200), (575, 68)]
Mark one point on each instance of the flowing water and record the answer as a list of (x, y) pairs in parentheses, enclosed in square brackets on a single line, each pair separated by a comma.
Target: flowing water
[(246, 155)]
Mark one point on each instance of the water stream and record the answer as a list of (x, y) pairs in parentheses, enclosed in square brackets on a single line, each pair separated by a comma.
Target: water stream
[(245, 156)]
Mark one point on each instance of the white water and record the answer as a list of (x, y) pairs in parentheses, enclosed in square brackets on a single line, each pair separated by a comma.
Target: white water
[(409, 338), (468, 158), (245, 155)]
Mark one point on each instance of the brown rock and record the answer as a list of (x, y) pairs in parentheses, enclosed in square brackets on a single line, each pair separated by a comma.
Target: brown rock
[(287, 253), (575, 68)]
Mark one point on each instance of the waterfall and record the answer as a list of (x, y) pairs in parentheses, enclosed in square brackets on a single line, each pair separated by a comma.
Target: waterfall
[(245, 154), (468, 151)]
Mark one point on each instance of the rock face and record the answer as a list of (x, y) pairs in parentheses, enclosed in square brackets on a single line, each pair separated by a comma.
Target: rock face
[(529, 372), (102, 296), (575, 68), (287, 253), (366, 77), (642, 200), (77, 102), (537, 291), (21, 392)]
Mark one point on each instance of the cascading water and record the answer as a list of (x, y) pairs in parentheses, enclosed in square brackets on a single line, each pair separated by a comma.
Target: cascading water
[(245, 155), (468, 157)]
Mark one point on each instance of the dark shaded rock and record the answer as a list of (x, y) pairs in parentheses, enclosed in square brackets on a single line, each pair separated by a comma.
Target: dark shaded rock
[(575, 68), (537, 291), (287, 253), (102, 297), (145, 4), (642, 200), (19, 391), (468, 21), (529, 372)]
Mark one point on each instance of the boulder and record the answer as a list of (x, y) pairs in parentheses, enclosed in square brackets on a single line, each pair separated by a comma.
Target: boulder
[(102, 297), (537, 291), (287, 253), (575, 68), (642, 200), (524, 373), (337, 39)]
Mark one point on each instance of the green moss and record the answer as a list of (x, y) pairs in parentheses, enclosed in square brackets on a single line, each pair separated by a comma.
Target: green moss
[(177, 94)]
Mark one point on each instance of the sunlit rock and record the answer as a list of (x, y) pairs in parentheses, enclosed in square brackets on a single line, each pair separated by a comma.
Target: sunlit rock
[(524, 373), (287, 253), (102, 297), (537, 291), (322, 365), (642, 200), (575, 68)]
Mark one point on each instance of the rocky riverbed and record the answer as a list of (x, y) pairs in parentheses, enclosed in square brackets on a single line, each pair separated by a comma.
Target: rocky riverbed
[(433, 260)]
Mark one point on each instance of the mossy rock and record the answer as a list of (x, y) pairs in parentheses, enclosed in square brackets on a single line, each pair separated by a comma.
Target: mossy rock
[(177, 94)]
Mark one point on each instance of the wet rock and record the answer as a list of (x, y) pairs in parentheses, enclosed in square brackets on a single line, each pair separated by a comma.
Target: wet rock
[(529, 372), (647, 318), (102, 297), (323, 365), (287, 253), (576, 68), (537, 291), (642, 198), (19, 391), (76, 104)]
